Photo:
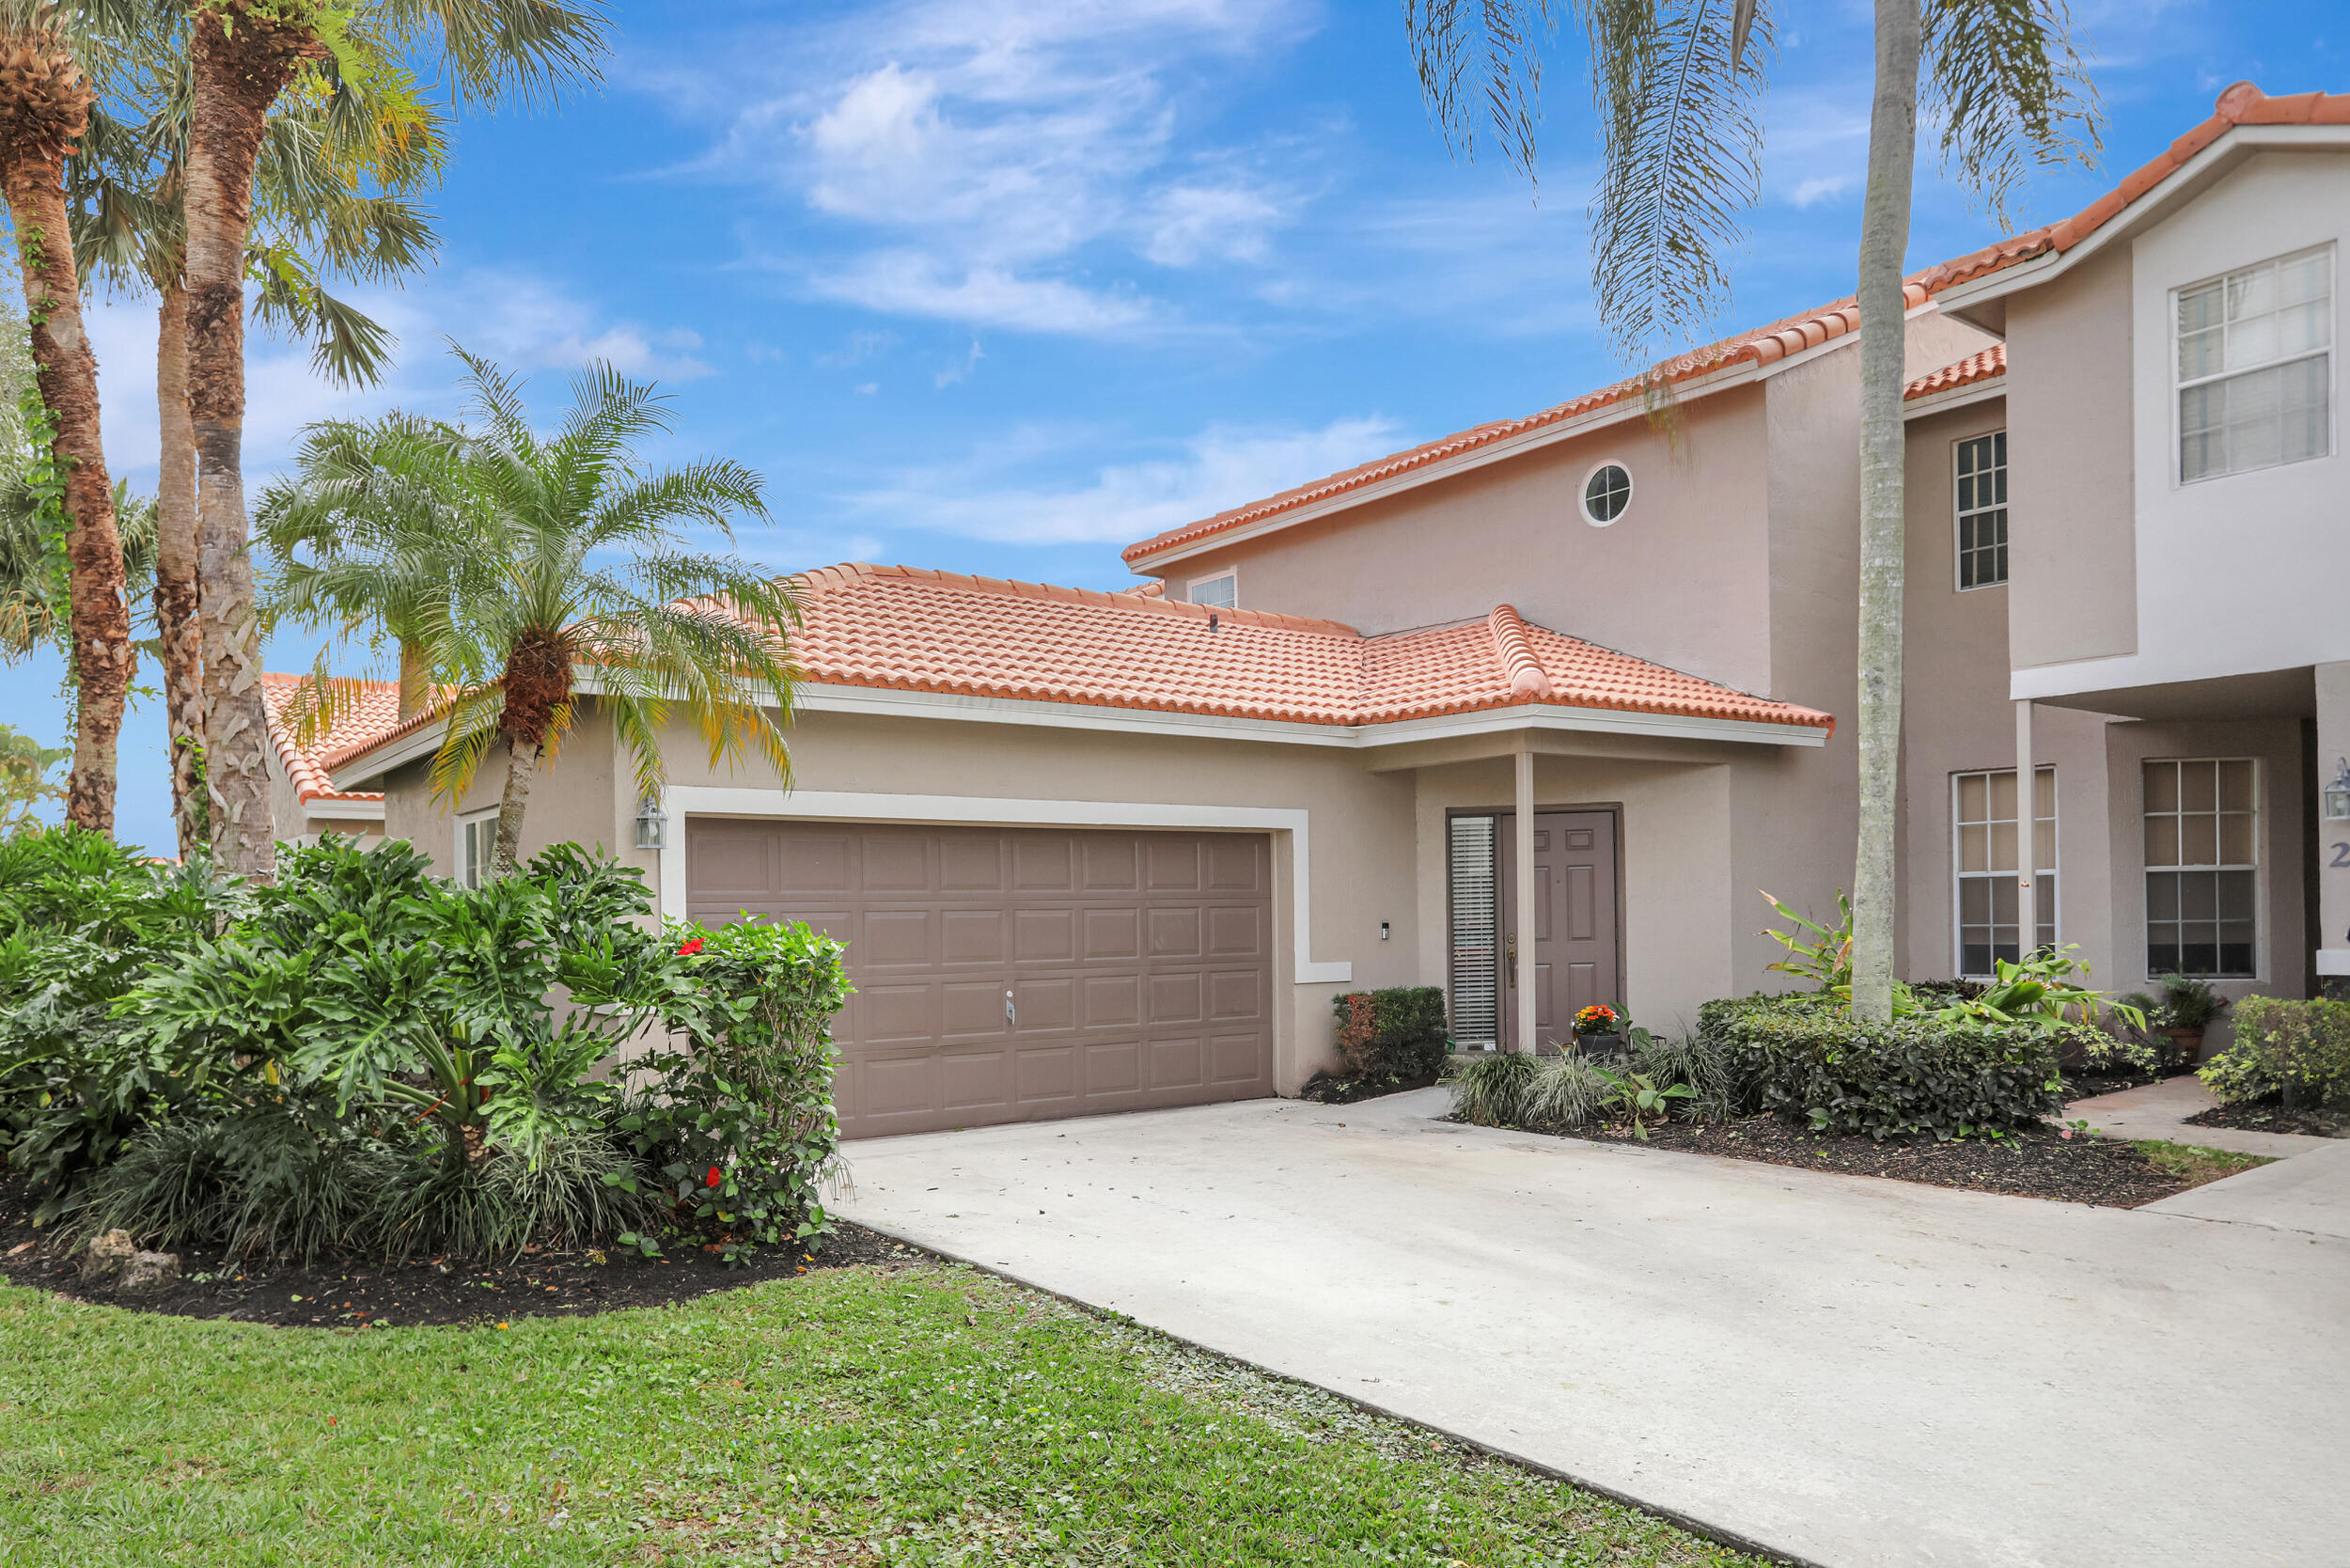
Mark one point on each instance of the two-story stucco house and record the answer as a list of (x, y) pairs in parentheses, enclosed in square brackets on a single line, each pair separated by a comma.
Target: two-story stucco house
[(1533, 712)]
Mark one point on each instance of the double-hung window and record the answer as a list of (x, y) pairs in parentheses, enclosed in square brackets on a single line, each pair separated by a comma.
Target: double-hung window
[(476, 836), (1982, 510), (2202, 866), (2255, 367), (1987, 842)]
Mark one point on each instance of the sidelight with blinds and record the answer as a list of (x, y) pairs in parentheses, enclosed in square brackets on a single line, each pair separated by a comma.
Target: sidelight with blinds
[(1476, 1004)]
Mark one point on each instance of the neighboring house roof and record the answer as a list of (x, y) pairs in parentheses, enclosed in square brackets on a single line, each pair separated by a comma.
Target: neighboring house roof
[(912, 630), (1990, 363), (373, 719), (2241, 104)]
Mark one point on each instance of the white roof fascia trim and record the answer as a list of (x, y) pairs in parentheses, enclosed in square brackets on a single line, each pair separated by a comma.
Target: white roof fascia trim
[(1621, 410), (2235, 139), (376, 763), (362, 811), (683, 800), (892, 702), (1957, 397)]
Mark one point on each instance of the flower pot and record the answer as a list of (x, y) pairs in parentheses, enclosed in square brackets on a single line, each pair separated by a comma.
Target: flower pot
[(1606, 1048), (2187, 1045)]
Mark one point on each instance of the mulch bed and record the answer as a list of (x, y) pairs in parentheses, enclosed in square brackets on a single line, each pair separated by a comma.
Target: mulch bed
[(2274, 1119), (359, 1294), (1328, 1088), (2080, 1169), (2087, 1087)]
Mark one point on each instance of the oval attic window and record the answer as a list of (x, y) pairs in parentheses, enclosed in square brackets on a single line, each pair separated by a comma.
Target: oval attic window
[(1605, 493)]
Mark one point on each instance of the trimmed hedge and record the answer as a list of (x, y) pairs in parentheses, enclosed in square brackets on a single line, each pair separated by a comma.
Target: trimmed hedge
[(2281, 1044), (1804, 1056), (1397, 1035)]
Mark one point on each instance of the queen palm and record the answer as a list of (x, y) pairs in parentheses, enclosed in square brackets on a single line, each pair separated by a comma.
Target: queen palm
[(521, 573), (242, 54), (331, 193), (1679, 87)]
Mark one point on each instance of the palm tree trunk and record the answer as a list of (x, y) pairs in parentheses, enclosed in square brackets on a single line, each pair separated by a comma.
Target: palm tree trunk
[(177, 627), (241, 62), (522, 765), (1884, 244), (98, 620)]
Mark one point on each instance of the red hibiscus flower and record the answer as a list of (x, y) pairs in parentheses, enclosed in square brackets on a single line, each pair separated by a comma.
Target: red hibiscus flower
[(711, 1180), (690, 949)]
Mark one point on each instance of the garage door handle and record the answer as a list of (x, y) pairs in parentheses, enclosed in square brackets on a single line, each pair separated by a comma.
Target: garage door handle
[(1012, 1014)]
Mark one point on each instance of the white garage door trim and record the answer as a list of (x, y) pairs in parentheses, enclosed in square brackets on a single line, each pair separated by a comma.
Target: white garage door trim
[(684, 800)]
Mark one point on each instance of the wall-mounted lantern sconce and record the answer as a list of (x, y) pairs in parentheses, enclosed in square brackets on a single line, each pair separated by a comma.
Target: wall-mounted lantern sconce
[(1383, 930), (652, 827), (2338, 792)]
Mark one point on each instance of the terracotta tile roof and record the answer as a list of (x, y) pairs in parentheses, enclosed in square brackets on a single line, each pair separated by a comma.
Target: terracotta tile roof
[(1987, 365), (911, 629), (371, 722), (1763, 346), (2242, 104)]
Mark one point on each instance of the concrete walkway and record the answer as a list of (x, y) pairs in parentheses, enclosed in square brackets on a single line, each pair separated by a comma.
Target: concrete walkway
[(1847, 1371), (2160, 1110)]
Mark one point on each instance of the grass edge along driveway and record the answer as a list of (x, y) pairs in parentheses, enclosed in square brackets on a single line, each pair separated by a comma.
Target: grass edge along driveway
[(929, 1414)]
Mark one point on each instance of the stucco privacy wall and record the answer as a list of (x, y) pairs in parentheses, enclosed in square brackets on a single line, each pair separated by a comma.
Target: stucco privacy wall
[(1679, 579), (1361, 866), (573, 799), (2333, 857), (1676, 906)]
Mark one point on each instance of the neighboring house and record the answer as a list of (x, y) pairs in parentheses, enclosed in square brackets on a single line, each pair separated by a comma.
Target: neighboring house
[(1534, 711), (303, 802)]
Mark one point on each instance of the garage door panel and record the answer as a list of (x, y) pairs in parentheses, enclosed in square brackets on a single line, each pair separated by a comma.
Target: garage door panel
[(969, 936), (1139, 964)]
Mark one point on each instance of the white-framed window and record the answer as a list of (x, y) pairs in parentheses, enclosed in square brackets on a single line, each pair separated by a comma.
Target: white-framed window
[(1219, 592), (1981, 475), (1475, 962), (476, 836), (1607, 492), (2202, 866), (2255, 366), (1986, 840)]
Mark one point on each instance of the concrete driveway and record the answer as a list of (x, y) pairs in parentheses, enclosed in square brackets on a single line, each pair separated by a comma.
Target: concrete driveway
[(1842, 1370)]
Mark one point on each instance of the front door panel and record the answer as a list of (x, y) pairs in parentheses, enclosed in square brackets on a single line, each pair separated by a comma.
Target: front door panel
[(1575, 919)]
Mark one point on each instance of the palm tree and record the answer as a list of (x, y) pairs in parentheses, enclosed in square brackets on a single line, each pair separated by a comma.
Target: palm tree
[(242, 54), (45, 99), (312, 210), (491, 555), (1679, 89), (35, 607)]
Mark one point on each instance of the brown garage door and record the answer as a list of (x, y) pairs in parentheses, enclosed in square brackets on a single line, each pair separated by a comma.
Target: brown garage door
[(1017, 974)]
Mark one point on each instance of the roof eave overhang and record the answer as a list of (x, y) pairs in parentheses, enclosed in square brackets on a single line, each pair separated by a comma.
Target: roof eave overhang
[(1989, 389), (1981, 302)]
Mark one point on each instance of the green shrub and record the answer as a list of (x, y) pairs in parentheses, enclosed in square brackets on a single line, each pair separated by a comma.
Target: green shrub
[(739, 1124), (1565, 1090), (1804, 1056), (1490, 1089), (1396, 1035), (2291, 1050), (1715, 1092)]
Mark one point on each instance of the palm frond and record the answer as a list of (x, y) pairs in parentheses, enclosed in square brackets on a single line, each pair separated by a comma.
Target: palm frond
[(2006, 81), (499, 48), (1483, 56)]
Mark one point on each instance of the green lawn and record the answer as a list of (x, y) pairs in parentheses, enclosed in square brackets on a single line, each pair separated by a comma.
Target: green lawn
[(2195, 1163), (923, 1415)]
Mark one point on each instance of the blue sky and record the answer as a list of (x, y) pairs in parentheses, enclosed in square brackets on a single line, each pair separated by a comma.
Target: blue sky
[(999, 286)]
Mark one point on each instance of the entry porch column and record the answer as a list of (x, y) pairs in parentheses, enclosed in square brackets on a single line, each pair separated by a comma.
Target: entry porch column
[(2026, 834), (1522, 863)]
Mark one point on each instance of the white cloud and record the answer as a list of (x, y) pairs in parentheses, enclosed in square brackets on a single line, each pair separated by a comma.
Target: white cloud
[(858, 348), (1819, 188), (1191, 221), (961, 369), (1218, 468), (913, 283)]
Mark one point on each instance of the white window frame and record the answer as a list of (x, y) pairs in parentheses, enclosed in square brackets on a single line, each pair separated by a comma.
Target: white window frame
[(1960, 877), (2179, 385), (469, 866), (1583, 492), (2259, 867), (1230, 574), (1960, 514)]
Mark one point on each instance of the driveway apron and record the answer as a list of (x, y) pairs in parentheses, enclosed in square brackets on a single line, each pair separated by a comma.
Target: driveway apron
[(1847, 1371)]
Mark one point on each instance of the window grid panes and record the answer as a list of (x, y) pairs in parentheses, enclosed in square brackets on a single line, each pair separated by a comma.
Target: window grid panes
[(1983, 511), (1606, 492), (1476, 999), (476, 838), (1219, 592), (1986, 840), (2254, 366), (2202, 866)]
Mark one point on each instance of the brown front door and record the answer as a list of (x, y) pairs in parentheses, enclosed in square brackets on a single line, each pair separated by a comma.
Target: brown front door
[(1018, 974), (1575, 920)]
